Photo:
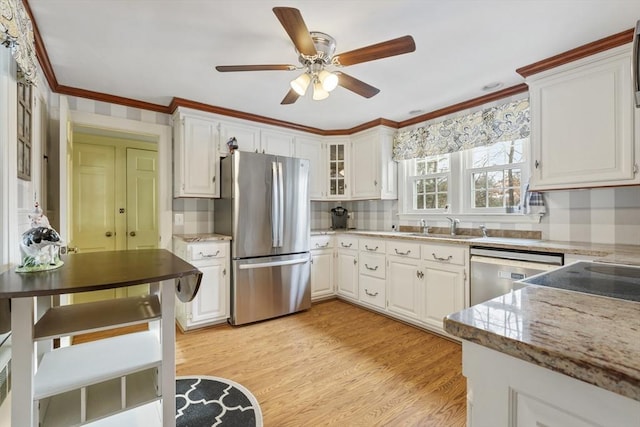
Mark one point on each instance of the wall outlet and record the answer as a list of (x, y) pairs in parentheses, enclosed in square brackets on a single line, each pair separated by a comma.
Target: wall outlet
[(178, 219)]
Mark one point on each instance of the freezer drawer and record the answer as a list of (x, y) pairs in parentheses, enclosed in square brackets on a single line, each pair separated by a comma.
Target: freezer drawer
[(269, 287)]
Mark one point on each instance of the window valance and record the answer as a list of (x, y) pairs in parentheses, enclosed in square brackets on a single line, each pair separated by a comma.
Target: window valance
[(16, 33), (494, 124)]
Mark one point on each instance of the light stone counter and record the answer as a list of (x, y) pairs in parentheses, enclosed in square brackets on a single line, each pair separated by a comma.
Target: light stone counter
[(590, 338), (204, 237), (624, 254)]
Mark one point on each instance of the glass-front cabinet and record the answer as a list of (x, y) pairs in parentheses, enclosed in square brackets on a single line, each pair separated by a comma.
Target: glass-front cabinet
[(338, 156)]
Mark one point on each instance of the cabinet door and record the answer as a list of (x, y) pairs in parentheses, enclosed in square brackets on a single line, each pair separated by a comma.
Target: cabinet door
[(443, 292), (365, 167), (321, 273), (403, 286), (582, 125), (315, 151), (198, 159), (338, 159), (277, 143), (347, 273), (211, 302), (247, 137)]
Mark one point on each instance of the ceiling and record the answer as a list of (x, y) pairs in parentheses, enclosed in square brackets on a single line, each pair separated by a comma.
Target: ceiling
[(155, 50)]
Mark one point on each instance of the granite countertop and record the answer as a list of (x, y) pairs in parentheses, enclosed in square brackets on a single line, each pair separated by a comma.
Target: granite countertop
[(204, 237), (624, 254), (590, 338)]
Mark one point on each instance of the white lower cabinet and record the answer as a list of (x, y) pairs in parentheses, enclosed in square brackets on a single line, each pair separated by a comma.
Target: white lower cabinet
[(322, 257), (211, 303), (347, 266), (403, 286), (443, 292), (504, 391)]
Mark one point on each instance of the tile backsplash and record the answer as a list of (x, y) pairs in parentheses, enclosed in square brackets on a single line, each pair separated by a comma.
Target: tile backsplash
[(606, 215)]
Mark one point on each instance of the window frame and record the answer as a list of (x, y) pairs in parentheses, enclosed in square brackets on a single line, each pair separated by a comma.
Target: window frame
[(412, 177), (460, 188)]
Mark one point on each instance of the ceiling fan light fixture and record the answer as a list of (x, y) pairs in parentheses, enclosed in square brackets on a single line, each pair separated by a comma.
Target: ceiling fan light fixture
[(301, 83), (318, 91), (329, 80)]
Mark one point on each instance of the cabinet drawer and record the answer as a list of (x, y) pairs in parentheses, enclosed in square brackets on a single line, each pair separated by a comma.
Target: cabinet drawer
[(206, 250), (445, 254), (321, 242), (403, 249), (372, 264), (347, 242), (372, 291), (372, 245)]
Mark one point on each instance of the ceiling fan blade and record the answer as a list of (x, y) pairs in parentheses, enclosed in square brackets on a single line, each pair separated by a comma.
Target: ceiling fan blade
[(291, 97), (294, 25), (356, 86), (274, 67), (393, 47)]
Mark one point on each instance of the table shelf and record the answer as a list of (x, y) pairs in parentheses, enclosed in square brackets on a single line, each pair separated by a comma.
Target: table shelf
[(69, 320)]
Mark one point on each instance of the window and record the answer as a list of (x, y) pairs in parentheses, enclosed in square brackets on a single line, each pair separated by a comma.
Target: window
[(430, 178), (24, 127), (495, 173), (483, 180)]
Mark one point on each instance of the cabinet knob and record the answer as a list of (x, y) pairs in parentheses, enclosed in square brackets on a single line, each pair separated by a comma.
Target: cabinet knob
[(108, 234), (375, 183), (355, 261), (132, 234), (537, 164)]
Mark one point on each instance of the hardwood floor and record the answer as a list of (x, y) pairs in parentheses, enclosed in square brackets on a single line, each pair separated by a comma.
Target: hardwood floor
[(334, 365)]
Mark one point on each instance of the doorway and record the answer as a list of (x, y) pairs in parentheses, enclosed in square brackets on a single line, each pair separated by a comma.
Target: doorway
[(114, 200)]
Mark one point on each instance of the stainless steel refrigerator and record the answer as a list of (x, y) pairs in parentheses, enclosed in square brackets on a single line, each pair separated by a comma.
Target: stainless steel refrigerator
[(264, 206)]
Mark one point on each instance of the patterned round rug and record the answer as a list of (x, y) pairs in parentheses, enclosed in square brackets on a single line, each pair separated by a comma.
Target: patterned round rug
[(211, 401)]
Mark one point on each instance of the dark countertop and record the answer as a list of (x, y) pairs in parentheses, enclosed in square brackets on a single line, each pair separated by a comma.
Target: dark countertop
[(97, 271), (591, 338)]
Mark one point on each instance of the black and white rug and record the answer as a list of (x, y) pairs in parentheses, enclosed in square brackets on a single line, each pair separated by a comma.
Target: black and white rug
[(211, 401)]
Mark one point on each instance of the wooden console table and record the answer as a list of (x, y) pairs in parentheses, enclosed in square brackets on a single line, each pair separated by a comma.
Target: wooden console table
[(97, 380)]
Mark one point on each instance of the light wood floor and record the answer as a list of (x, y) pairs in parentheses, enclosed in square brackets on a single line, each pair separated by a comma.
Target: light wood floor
[(335, 365)]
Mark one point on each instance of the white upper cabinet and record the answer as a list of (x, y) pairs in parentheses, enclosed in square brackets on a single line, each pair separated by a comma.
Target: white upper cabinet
[(373, 171), (278, 143), (247, 137), (338, 150), (582, 123), (196, 159), (314, 150)]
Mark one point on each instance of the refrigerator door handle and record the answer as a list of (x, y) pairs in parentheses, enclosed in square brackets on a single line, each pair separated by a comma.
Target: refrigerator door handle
[(272, 264), (275, 215), (281, 206)]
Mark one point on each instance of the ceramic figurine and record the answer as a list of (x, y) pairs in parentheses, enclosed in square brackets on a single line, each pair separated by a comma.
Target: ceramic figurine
[(40, 245)]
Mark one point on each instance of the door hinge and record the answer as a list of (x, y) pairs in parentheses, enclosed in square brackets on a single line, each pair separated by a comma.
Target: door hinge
[(635, 168)]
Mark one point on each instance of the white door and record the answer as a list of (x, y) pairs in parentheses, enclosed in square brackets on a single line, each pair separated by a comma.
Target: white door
[(347, 273), (210, 303), (364, 167), (403, 286), (200, 158), (247, 138), (321, 273), (277, 143), (315, 151), (443, 290)]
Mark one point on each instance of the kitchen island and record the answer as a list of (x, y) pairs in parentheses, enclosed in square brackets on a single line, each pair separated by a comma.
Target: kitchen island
[(553, 357), (91, 381)]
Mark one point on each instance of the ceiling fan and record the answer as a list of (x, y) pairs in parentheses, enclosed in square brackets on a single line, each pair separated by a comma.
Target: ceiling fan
[(317, 59)]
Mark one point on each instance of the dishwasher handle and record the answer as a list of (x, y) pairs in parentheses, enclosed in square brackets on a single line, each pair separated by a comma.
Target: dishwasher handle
[(513, 263)]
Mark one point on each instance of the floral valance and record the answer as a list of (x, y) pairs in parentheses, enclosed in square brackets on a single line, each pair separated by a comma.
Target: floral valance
[(494, 124), (16, 33)]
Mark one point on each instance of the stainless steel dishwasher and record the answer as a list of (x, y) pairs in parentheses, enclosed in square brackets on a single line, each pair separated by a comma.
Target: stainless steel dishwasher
[(493, 271)]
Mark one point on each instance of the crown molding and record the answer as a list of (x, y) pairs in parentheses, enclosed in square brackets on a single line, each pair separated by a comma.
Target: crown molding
[(113, 99), (583, 51), (41, 52), (465, 105)]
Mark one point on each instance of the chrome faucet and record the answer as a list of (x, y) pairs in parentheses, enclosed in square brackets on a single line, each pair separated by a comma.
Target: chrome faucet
[(454, 225), (483, 228), (425, 227)]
